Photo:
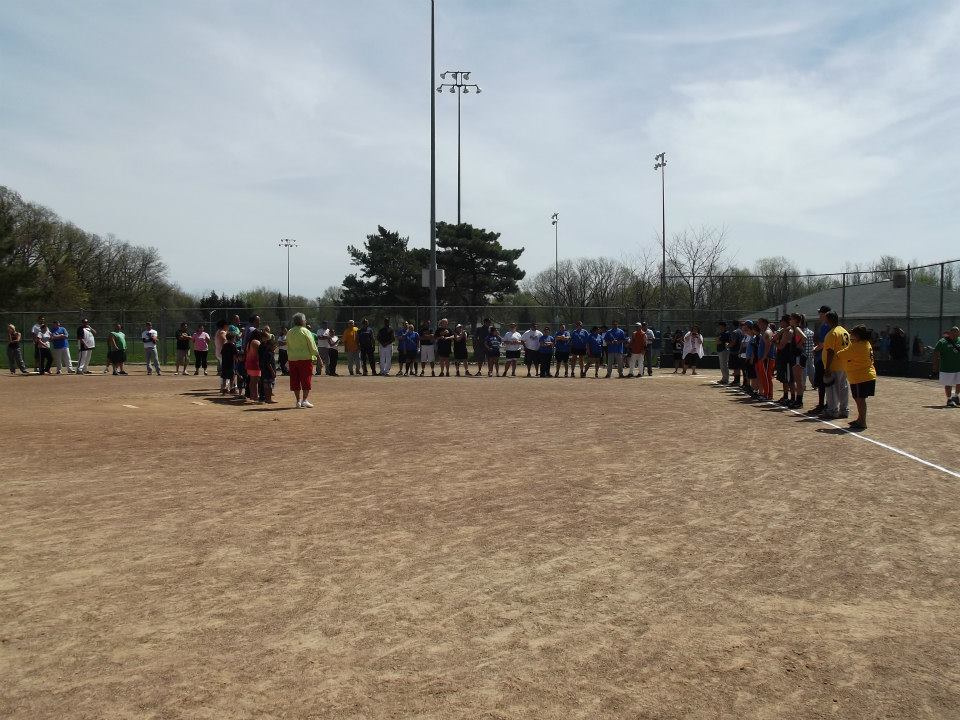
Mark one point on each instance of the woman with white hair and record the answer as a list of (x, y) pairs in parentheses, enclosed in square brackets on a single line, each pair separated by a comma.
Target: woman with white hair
[(301, 355)]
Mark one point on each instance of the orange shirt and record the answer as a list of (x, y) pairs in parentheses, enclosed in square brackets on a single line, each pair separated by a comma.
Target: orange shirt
[(638, 342), (350, 342)]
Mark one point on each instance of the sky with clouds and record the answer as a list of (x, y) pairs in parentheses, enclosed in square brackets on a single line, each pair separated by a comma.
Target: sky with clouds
[(825, 132)]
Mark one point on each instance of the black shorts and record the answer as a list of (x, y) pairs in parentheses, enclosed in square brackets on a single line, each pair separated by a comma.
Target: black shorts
[(493, 354), (443, 353), (864, 389), (677, 356), (818, 373), (562, 356), (513, 354), (750, 369), (800, 360), (692, 359), (578, 353), (783, 372), (734, 363), (530, 356), (594, 356)]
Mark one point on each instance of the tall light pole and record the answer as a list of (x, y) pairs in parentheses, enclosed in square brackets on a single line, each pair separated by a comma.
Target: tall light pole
[(433, 167), (288, 243), (555, 221), (459, 87), (660, 164)]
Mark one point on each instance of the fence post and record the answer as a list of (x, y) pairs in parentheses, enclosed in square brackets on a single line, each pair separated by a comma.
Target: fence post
[(942, 278), (163, 335), (843, 301), (909, 333), (693, 299)]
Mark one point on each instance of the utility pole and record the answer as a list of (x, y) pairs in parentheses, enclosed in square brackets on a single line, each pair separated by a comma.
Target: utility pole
[(660, 164), (433, 167), (288, 243), (459, 87), (555, 221)]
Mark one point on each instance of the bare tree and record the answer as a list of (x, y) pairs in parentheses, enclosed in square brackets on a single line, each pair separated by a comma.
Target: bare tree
[(642, 277), (697, 255)]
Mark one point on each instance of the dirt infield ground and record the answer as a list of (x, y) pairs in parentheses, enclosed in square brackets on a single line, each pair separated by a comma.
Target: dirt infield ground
[(451, 548)]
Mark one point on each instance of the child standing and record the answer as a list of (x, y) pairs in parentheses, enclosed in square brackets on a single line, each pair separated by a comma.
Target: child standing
[(678, 352), (268, 368), (251, 362), (228, 359), (861, 373)]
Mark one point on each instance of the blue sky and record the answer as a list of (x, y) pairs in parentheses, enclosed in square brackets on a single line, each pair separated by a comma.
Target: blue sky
[(825, 132)]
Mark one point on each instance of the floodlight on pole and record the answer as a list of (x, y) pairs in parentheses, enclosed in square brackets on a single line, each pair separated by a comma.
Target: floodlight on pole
[(661, 164), (459, 87), (555, 221), (288, 243), (433, 166)]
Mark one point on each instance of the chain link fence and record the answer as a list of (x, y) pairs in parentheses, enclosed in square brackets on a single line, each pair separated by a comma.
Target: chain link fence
[(908, 309)]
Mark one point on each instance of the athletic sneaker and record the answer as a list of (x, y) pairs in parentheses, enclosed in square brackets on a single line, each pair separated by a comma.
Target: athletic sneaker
[(306, 404), (953, 401), (299, 402)]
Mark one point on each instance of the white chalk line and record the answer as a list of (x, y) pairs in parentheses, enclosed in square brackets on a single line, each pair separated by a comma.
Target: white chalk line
[(857, 435), (132, 407)]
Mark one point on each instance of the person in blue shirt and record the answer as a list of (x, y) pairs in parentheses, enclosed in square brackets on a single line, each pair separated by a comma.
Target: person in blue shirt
[(546, 351), (594, 351), (60, 347), (492, 344), (614, 339), (409, 349), (562, 342), (578, 348)]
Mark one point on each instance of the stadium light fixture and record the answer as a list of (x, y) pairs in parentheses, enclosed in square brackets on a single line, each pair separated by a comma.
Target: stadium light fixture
[(288, 243), (660, 164), (459, 87)]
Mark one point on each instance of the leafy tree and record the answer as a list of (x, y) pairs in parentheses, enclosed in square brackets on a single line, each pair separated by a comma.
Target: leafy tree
[(224, 302), (389, 272), (479, 270)]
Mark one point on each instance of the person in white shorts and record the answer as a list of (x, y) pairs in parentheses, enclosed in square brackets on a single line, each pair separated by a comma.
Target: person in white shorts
[(428, 350), (946, 364)]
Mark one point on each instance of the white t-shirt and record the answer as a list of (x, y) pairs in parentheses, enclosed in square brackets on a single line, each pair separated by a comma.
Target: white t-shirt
[(149, 338), (89, 342), (35, 330), (512, 340), (324, 339), (531, 339), (651, 338)]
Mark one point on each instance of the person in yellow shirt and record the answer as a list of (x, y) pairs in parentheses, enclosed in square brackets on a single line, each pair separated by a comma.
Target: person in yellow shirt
[(352, 345), (834, 368), (861, 373)]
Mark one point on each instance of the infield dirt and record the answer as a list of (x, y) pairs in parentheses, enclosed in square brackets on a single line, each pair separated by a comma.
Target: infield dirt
[(473, 548)]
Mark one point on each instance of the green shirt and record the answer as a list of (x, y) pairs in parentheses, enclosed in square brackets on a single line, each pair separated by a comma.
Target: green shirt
[(300, 344), (120, 339), (949, 353)]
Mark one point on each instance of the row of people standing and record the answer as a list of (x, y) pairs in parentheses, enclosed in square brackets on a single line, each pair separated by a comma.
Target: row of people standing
[(543, 351), (839, 363), (51, 348)]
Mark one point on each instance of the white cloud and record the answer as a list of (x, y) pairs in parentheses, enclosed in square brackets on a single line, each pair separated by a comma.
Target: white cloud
[(211, 130)]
